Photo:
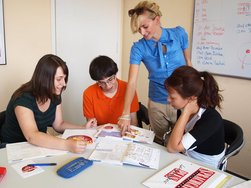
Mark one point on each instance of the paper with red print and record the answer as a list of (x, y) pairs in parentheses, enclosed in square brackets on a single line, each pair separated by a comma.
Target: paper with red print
[(184, 174), (86, 135), (136, 134), (24, 170)]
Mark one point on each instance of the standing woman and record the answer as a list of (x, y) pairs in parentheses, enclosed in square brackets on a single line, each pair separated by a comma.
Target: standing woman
[(37, 104), (199, 131), (162, 50)]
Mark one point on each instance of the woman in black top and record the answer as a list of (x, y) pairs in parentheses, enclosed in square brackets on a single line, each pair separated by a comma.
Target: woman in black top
[(37, 104), (199, 130)]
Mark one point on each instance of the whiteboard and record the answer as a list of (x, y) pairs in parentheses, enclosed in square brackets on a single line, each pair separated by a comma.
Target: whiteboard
[(222, 37), (83, 30)]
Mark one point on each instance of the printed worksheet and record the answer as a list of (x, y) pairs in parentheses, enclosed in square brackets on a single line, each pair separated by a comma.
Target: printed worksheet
[(24, 170), (116, 151), (136, 134), (23, 151)]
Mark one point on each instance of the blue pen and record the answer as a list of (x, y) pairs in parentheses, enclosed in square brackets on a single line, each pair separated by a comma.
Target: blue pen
[(144, 165), (42, 164)]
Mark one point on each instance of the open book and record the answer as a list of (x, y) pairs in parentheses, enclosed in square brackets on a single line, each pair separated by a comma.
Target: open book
[(182, 173), (137, 134), (86, 135), (116, 151), (23, 150)]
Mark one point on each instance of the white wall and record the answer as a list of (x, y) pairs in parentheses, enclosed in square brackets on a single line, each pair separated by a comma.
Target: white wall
[(28, 37), (84, 30)]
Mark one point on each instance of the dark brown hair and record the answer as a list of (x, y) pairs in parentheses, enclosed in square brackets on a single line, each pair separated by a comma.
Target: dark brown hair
[(102, 67), (41, 85), (188, 82)]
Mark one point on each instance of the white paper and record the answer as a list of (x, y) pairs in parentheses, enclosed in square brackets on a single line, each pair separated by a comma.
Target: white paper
[(110, 151), (246, 184), (26, 171), (142, 155), (23, 150), (117, 151)]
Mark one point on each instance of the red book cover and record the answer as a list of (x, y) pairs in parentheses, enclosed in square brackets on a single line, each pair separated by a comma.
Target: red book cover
[(2, 173)]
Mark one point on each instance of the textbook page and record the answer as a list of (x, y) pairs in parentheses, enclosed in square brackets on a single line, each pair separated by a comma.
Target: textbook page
[(116, 151), (110, 150), (137, 134), (182, 173), (23, 150), (86, 135), (142, 155)]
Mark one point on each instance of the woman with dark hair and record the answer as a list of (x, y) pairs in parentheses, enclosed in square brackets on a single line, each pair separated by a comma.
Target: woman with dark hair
[(36, 105), (104, 100), (199, 130)]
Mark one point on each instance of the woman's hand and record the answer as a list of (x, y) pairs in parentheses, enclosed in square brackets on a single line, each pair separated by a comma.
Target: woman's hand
[(91, 123), (191, 107), (76, 146), (124, 125)]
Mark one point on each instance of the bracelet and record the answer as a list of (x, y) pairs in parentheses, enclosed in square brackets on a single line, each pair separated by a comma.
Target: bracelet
[(125, 117)]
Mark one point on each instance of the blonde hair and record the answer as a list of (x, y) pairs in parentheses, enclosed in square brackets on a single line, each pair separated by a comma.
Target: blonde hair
[(149, 7)]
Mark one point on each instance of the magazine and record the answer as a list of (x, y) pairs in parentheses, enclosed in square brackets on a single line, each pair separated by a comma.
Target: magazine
[(137, 134), (117, 151), (182, 173), (86, 135)]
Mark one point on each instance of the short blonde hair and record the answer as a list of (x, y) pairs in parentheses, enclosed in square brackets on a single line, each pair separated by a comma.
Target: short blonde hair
[(149, 7)]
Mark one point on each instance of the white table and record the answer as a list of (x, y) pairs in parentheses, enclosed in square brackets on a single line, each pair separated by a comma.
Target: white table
[(98, 175)]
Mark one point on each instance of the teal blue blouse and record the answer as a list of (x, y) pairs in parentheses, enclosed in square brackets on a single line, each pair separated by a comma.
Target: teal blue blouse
[(159, 65)]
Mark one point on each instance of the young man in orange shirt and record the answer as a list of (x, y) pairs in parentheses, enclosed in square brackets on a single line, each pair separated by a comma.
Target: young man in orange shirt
[(104, 100)]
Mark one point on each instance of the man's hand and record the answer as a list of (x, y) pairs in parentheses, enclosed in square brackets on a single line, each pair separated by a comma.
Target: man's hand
[(91, 123)]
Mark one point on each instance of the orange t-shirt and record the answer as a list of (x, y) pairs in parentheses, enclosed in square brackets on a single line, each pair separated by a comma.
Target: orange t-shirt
[(103, 108)]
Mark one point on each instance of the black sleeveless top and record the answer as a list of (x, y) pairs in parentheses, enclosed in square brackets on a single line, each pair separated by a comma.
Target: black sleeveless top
[(11, 131)]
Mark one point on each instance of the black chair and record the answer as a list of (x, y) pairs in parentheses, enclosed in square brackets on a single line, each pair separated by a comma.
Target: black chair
[(234, 141), (2, 119), (142, 115)]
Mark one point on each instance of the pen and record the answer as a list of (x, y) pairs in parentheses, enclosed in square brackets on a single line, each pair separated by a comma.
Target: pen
[(144, 165), (42, 164)]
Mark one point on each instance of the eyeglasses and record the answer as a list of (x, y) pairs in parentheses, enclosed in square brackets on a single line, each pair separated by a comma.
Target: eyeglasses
[(109, 80), (139, 11)]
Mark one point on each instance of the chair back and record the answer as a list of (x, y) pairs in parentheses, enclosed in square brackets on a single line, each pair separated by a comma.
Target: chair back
[(142, 115), (2, 119), (234, 140)]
